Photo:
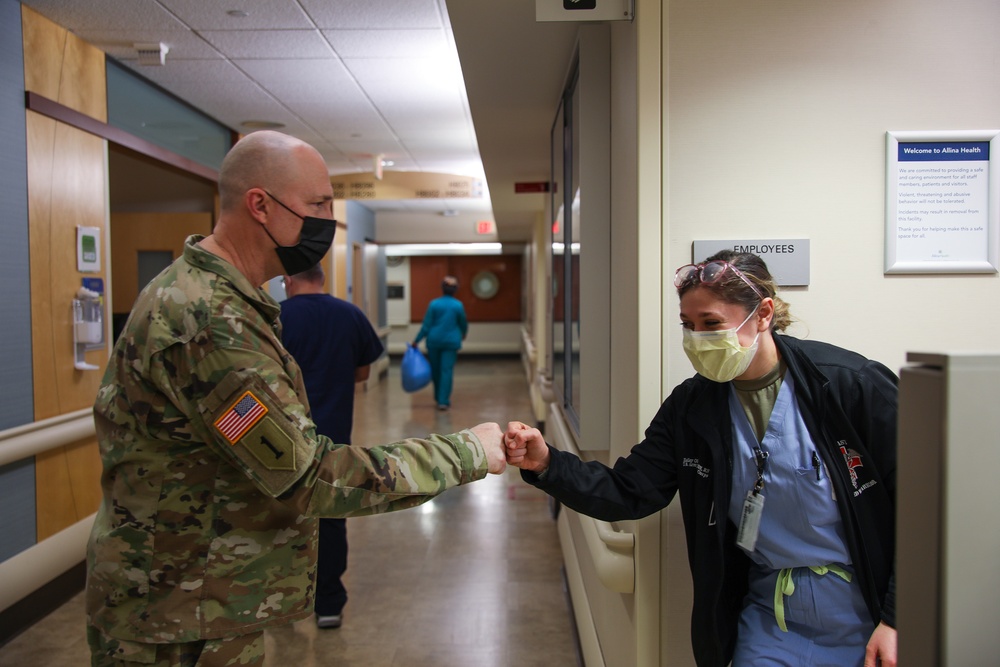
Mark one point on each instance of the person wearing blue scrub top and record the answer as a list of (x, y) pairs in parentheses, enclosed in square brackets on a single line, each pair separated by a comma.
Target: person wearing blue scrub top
[(783, 452), (445, 327), (335, 345)]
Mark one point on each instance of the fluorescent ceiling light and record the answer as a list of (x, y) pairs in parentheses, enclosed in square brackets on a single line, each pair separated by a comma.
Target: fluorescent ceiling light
[(412, 249), (560, 248)]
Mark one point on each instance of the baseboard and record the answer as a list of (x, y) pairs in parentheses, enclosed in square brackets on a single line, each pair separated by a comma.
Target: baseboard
[(22, 615), (568, 595)]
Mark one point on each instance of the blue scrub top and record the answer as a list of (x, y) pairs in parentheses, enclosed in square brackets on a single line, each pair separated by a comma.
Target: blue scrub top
[(444, 324), (329, 339), (801, 525)]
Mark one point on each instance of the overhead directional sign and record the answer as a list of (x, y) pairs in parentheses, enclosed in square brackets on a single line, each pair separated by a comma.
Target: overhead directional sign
[(406, 185)]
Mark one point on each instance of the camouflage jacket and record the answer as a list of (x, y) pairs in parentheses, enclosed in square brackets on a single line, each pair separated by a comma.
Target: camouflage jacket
[(213, 470)]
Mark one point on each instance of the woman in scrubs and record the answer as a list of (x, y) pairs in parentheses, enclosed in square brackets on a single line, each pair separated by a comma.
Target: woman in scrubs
[(783, 452), (445, 327)]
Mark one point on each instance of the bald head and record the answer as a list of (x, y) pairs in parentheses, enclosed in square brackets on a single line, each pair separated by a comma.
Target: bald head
[(268, 184), (264, 159)]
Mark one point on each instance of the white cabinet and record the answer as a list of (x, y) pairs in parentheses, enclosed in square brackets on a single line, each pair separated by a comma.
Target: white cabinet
[(948, 508)]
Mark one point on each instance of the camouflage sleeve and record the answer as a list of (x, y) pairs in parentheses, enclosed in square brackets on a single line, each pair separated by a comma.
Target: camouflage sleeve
[(355, 481), (253, 416)]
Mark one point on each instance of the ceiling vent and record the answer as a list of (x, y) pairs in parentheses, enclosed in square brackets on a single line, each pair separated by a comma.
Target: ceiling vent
[(152, 54)]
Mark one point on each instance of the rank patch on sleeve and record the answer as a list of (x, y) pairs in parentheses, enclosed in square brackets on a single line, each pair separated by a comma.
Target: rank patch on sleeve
[(240, 417), (271, 446)]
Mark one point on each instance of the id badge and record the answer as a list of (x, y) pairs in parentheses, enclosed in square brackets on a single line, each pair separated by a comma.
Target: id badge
[(753, 510)]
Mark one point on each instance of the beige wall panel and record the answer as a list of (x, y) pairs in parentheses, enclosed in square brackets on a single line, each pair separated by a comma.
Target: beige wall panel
[(70, 477), (60, 66), (336, 283), (338, 286), (135, 232)]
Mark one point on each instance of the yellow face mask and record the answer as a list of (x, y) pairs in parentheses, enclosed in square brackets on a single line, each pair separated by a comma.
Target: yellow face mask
[(718, 355)]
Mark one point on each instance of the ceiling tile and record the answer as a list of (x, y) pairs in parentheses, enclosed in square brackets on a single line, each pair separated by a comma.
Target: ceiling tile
[(189, 71), (296, 80), (274, 44), (391, 148), (349, 126), (232, 102), (120, 44), (375, 13), (266, 14), (415, 72), (390, 43), (107, 14)]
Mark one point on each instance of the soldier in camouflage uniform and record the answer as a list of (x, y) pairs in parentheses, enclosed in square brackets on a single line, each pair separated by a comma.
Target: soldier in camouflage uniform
[(213, 471)]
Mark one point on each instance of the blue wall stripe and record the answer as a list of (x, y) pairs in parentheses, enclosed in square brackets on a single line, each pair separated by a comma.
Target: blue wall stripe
[(17, 481)]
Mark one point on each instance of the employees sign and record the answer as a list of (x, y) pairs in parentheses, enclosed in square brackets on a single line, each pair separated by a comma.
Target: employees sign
[(786, 259)]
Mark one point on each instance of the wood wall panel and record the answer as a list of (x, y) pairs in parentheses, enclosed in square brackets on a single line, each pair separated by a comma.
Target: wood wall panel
[(425, 284), (135, 232), (71, 493), (60, 66), (426, 273), (67, 187)]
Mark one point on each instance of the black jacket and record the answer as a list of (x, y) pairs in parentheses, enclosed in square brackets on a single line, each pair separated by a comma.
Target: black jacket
[(849, 405)]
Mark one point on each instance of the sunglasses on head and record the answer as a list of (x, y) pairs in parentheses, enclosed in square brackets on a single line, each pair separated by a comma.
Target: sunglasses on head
[(709, 273)]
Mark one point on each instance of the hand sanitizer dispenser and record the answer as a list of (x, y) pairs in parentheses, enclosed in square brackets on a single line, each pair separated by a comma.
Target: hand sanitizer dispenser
[(88, 326)]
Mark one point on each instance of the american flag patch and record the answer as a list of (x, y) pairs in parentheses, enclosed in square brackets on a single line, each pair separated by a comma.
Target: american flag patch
[(238, 419)]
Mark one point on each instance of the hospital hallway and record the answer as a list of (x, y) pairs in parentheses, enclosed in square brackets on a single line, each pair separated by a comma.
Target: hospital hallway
[(470, 579)]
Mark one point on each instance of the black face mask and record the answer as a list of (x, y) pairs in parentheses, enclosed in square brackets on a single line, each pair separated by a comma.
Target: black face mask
[(315, 240)]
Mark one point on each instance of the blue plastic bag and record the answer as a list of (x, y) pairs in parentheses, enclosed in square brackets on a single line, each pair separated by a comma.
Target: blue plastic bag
[(416, 369)]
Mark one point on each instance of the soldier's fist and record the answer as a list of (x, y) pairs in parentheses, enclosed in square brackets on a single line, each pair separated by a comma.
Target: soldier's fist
[(491, 437)]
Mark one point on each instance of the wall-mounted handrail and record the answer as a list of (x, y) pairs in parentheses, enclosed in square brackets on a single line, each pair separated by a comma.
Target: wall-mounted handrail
[(23, 442), (528, 345), (27, 571), (611, 551)]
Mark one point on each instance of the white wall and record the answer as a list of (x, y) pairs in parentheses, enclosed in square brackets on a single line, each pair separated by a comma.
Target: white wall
[(769, 121), (398, 310), (410, 227), (776, 114)]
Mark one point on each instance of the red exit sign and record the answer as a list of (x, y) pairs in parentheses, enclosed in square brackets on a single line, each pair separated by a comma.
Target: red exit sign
[(536, 186), (484, 227)]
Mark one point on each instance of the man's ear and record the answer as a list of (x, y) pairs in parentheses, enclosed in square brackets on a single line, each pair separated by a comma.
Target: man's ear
[(257, 204)]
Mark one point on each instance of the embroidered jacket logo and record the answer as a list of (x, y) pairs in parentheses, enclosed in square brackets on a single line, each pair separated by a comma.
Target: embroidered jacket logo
[(696, 464), (853, 460)]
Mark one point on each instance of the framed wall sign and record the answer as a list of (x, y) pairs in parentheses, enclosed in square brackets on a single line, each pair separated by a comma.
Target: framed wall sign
[(942, 213)]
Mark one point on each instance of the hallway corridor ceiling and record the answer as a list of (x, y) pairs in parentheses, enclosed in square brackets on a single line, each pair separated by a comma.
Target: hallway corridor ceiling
[(362, 78)]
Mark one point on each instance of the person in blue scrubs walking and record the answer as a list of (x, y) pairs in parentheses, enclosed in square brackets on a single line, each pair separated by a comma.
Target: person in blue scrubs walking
[(806, 578), (444, 327), (335, 345)]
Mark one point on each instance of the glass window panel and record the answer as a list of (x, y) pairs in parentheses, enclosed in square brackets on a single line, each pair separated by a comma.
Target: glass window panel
[(573, 257), (140, 108), (565, 254), (558, 269)]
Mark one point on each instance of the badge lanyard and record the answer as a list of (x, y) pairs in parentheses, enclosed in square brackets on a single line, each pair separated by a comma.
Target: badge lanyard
[(753, 506)]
